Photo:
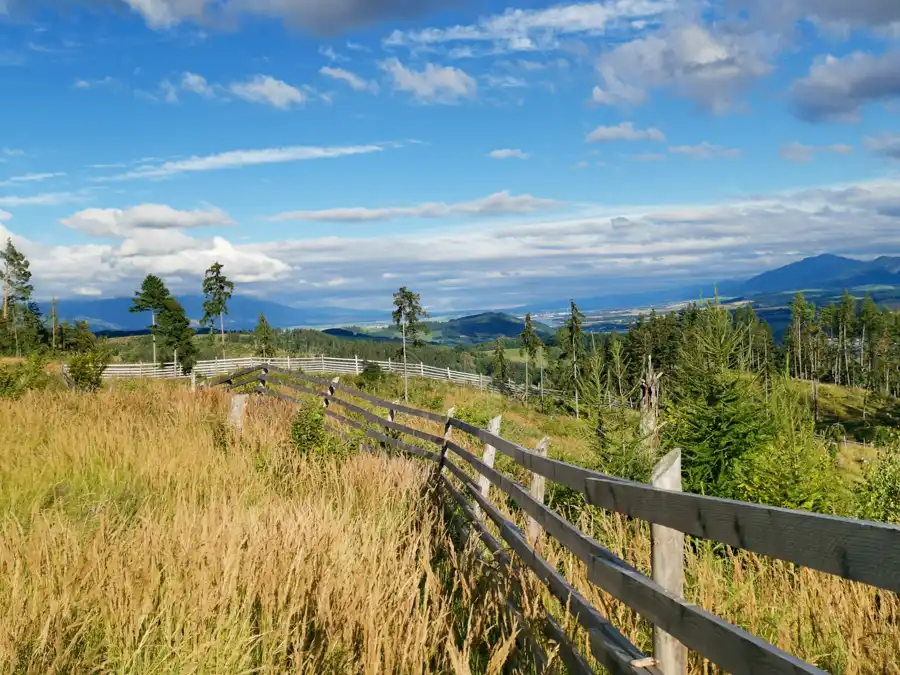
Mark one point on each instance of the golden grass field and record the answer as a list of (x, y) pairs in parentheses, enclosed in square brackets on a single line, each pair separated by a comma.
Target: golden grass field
[(139, 535)]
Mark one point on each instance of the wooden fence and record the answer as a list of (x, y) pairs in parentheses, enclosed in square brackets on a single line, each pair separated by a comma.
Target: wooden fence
[(320, 365), (860, 551)]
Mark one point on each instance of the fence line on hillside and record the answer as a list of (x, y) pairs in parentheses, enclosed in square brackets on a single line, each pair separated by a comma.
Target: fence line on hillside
[(324, 365), (861, 551)]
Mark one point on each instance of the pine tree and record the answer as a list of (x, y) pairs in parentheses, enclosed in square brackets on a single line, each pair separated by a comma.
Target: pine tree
[(264, 338), (531, 343), (152, 297), (501, 365), (407, 316), (571, 342), (176, 337), (218, 290)]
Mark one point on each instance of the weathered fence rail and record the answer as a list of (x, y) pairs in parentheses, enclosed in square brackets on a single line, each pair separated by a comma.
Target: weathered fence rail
[(319, 365), (860, 551)]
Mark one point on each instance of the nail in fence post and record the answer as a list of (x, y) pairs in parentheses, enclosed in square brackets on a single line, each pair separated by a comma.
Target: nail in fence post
[(538, 483), (488, 458), (668, 567), (236, 412)]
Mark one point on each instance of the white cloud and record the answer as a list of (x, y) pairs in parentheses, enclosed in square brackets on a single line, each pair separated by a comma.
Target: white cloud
[(45, 199), (497, 204), (197, 84), (522, 30), (706, 65), (509, 153), (835, 89), (90, 84), (647, 157), (354, 81), (798, 152), (706, 150), (268, 90), (156, 217), (625, 131), (240, 158), (5, 215), (535, 258), (887, 144), (435, 84), (331, 55), (31, 178)]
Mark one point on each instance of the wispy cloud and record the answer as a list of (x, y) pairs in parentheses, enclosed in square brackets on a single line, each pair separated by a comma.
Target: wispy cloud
[(239, 158), (329, 53), (798, 152), (706, 150), (625, 131), (46, 199), (268, 90), (107, 81), (434, 84), (497, 204), (352, 79), (508, 153)]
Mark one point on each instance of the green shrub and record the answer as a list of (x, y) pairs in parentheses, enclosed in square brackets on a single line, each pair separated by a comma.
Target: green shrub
[(878, 495), (886, 437), (308, 432), (29, 375), (86, 369), (478, 414), (371, 377)]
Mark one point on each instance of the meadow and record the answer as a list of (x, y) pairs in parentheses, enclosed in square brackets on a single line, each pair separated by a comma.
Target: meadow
[(139, 534)]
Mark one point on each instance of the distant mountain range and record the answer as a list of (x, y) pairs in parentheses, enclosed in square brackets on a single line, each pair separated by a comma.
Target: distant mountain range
[(112, 314), (825, 272), (820, 276)]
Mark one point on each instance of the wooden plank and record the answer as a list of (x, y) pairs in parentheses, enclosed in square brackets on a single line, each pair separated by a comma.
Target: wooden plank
[(240, 373), (608, 645), (372, 417), (729, 647), (277, 394), (858, 550), (667, 554), (290, 385)]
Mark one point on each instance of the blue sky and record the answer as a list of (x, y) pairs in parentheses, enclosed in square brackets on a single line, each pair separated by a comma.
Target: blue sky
[(485, 154)]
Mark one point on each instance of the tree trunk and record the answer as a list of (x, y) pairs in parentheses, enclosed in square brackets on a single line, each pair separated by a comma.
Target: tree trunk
[(153, 333), (222, 329)]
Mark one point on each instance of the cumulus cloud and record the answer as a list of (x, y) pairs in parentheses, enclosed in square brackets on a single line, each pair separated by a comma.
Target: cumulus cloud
[(625, 131), (239, 158), (156, 217), (354, 81), (696, 62), (835, 89), (434, 84), (539, 257), (706, 150), (197, 84), (508, 153), (798, 152), (886, 144), (497, 204), (268, 90)]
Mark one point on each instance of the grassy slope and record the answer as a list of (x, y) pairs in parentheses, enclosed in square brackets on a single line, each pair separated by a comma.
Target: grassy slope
[(836, 625), (153, 540)]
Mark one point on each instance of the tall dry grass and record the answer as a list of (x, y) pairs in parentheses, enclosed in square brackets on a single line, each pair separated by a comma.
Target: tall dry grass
[(138, 535)]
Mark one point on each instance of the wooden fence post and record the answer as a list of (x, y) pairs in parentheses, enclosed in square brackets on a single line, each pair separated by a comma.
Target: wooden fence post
[(538, 483), (448, 432), (193, 380), (422, 368), (488, 458), (236, 412), (667, 547), (356, 363)]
